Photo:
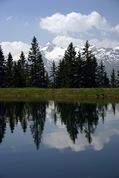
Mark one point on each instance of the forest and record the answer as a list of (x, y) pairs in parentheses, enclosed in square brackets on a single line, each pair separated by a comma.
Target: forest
[(73, 71)]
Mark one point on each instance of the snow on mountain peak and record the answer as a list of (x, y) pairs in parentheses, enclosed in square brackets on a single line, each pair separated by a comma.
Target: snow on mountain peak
[(116, 48), (48, 47), (109, 56)]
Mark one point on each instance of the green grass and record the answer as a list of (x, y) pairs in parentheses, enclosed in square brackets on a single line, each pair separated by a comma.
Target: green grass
[(37, 94)]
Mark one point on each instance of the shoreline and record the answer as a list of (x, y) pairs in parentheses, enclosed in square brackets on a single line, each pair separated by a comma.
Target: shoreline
[(63, 94)]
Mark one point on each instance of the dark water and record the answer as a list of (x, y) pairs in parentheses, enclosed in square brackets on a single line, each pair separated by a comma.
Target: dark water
[(59, 140)]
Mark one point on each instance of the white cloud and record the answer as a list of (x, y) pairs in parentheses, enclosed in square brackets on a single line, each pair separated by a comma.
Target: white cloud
[(116, 28), (9, 18), (104, 137), (74, 22), (15, 48), (60, 140), (65, 40), (93, 27), (104, 42)]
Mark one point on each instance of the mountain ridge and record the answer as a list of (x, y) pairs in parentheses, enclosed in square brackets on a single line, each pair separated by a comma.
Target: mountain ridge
[(109, 56)]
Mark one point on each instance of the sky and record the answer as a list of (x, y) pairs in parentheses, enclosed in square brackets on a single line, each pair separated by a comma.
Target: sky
[(59, 21)]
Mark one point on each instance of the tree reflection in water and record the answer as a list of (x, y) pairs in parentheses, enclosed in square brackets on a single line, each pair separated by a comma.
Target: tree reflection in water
[(77, 117)]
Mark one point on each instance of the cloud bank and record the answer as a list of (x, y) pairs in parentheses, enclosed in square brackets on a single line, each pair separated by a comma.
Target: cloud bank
[(64, 40), (74, 22), (72, 27), (77, 28), (15, 48)]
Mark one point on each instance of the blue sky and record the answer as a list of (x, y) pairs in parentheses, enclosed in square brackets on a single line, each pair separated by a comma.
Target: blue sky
[(56, 21)]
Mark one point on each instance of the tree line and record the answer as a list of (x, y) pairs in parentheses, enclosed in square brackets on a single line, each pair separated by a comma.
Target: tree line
[(73, 71)]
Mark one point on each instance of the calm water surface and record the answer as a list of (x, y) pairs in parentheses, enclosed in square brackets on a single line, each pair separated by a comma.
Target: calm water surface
[(59, 140)]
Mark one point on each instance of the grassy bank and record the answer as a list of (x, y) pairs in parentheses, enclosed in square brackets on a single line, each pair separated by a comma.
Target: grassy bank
[(36, 94)]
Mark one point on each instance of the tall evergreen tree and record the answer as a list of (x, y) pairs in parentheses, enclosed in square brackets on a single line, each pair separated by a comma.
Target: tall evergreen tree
[(90, 67), (113, 79), (9, 81), (22, 70), (28, 74), (37, 66), (19, 72), (66, 68), (70, 56), (16, 74), (60, 80), (53, 75), (78, 71), (47, 81), (101, 75), (106, 80), (2, 68), (117, 80)]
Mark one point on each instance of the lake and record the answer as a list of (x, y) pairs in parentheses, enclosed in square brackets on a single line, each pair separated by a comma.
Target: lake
[(59, 140)]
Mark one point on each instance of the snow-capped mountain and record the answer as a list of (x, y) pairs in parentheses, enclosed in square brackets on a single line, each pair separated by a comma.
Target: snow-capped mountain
[(109, 56), (52, 52)]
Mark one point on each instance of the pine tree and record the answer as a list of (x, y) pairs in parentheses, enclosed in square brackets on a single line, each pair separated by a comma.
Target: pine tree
[(16, 74), (47, 82), (90, 67), (100, 75), (19, 72), (66, 68), (70, 56), (2, 68), (78, 71), (28, 74), (117, 81), (106, 80), (53, 75), (9, 81), (113, 79), (37, 70), (22, 70), (60, 80)]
